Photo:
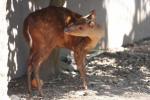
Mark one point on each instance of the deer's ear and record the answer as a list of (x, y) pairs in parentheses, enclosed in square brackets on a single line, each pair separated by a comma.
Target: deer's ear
[(91, 18), (68, 19), (91, 15)]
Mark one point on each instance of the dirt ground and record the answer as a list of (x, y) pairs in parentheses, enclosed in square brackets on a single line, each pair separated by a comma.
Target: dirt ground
[(112, 76)]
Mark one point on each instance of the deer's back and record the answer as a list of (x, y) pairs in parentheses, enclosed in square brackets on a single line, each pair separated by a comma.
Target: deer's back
[(47, 25)]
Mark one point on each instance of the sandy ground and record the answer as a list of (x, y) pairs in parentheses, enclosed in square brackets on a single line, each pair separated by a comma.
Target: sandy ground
[(112, 76)]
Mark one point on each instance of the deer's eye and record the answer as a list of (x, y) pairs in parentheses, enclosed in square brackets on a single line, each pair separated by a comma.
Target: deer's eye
[(80, 28)]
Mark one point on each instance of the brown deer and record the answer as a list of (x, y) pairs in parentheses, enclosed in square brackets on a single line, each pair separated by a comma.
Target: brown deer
[(54, 27)]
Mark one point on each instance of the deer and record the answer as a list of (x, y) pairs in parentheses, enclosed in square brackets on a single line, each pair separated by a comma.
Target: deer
[(58, 27)]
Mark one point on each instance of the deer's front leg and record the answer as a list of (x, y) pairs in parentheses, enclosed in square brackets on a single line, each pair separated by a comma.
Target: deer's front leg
[(80, 61)]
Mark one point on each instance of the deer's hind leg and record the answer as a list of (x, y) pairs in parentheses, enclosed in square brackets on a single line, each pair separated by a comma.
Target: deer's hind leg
[(37, 59), (29, 72)]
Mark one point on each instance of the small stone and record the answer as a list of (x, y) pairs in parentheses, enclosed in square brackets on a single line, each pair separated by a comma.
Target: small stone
[(80, 93), (14, 97)]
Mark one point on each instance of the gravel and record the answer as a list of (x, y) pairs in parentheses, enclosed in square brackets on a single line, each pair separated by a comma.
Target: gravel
[(123, 75)]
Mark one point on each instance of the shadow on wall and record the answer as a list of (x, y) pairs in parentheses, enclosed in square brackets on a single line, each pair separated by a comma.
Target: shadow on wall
[(141, 22), (17, 11), (85, 6)]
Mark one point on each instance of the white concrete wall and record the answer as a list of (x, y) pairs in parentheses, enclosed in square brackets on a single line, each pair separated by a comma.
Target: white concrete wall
[(3, 52), (120, 15), (125, 20)]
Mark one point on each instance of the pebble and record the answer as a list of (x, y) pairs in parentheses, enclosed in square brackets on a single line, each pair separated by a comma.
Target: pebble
[(14, 97)]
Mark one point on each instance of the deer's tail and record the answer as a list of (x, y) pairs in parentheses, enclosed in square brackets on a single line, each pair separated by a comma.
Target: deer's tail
[(26, 32)]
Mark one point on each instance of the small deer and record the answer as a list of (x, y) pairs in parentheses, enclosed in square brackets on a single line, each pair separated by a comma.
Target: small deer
[(54, 27)]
